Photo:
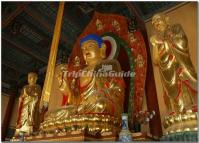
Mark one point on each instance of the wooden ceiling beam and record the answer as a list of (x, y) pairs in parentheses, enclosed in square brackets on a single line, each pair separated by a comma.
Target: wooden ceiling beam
[(45, 42), (70, 18), (20, 8), (132, 8), (14, 67), (45, 24), (26, 50), (8, 78), (23, 79)]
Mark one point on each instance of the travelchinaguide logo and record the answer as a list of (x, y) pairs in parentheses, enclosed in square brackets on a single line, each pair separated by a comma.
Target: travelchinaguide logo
[(104, 71)]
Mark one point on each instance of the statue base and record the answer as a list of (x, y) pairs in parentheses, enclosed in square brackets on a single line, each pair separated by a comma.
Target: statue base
[(24, 130), (89, 123), (72, 136), (181, 136), (83, 136), (181, 127)]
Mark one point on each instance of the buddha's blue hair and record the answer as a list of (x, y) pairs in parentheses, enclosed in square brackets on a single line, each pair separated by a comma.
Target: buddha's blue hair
[(94, 37)]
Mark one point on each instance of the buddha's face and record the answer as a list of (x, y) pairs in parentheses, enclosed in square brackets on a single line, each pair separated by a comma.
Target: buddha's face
[(159, 23), (32, 78), (91, 52)]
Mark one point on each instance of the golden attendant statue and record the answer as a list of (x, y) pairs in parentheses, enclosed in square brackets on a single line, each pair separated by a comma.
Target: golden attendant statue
[(28, 117), (179, 79), (94, 102)]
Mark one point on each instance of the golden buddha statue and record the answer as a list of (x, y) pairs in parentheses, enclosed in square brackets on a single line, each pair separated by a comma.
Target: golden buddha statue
[(179, 79), (28, 115), (95, 99)]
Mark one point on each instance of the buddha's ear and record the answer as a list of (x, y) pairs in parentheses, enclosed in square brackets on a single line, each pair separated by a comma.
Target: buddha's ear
[(103, 51)]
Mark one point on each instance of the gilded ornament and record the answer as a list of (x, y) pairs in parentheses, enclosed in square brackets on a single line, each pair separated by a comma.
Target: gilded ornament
[(132, 38), (99, 24), (116, 25)]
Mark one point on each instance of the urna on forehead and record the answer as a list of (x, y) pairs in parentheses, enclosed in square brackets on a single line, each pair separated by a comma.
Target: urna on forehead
[(94, 37)]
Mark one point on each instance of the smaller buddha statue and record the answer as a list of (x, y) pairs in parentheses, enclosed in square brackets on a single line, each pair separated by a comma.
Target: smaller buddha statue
[(116, 25), (170, 53), (77, 61), (28, 109)]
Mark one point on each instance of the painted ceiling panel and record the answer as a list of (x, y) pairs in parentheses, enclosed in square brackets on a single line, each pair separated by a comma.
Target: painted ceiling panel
[(10, 52), (39, 26), (147, 9)]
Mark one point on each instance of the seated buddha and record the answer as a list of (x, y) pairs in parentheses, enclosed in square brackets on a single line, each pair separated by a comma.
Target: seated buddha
[(96, 98)]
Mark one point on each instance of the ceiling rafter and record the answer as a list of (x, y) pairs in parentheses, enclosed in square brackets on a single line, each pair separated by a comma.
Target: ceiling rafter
[(45, 42), (138, 10), (20, 80), (13, 67), (20, 8), (10, 83), (5, 79), (26, 50), (70, 18), (45, 24), (135, 11)]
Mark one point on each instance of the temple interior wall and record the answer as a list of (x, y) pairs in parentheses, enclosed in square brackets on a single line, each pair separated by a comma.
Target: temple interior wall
[(12, 123), (5, 99), (4, 104), (186, 15)]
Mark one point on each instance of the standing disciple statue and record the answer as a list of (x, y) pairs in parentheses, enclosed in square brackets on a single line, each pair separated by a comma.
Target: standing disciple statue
[(170, 53), (28, 117), (94, 96)]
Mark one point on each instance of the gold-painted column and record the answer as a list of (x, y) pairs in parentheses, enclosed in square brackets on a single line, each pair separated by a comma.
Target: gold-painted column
[(52, 58)]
